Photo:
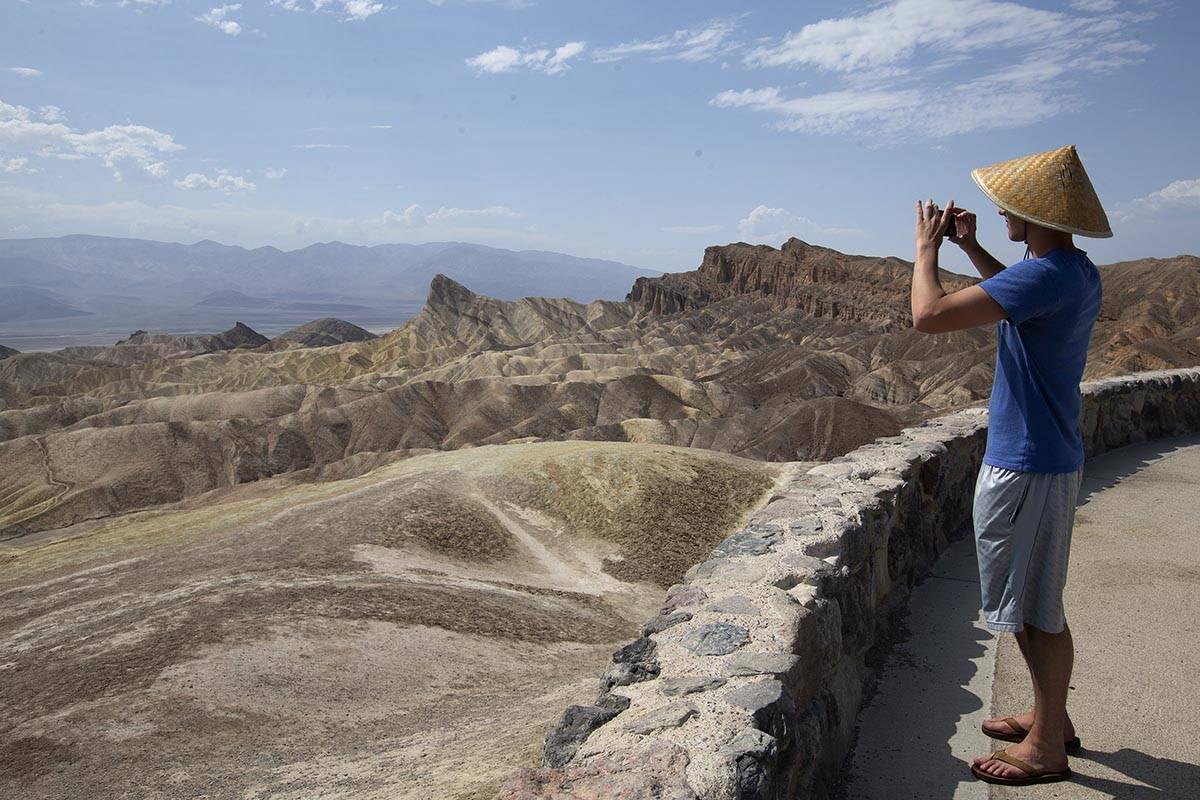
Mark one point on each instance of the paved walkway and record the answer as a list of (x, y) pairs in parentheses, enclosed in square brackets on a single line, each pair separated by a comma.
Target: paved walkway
[(1133, 600)]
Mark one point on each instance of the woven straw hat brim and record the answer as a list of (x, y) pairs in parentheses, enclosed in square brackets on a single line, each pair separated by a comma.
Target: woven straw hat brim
[(1050, 189)]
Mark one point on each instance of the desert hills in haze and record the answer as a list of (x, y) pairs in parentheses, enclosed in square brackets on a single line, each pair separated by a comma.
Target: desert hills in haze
[(223, 538)]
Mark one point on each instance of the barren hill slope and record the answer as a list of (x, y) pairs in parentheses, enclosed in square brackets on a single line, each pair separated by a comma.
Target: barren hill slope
[(405, 634)]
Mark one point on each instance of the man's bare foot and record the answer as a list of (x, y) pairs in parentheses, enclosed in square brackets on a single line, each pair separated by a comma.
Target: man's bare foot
[(1040, 760), (997, 725)]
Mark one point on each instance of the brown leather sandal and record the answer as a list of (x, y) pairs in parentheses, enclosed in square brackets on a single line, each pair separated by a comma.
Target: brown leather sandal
[(1019, 733), (1030, 777)]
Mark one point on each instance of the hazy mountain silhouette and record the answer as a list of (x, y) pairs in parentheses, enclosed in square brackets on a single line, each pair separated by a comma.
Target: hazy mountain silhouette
[(85, 268), (18, 303)]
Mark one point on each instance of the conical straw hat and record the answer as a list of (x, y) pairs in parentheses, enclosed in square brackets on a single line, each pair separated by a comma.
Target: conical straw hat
[(1050, 189)]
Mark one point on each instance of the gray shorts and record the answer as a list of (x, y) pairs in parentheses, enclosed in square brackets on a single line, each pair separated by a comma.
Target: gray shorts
[(1023, 538)]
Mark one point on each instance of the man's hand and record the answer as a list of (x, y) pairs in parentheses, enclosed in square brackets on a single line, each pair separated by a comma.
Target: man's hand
[(962, 230), (931, 225)]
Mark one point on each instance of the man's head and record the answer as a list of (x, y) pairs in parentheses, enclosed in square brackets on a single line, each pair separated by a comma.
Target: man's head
[(1018, 229), (1044, 195)]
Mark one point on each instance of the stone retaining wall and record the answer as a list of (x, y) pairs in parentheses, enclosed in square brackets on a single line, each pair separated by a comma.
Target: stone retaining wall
[(747, 685)]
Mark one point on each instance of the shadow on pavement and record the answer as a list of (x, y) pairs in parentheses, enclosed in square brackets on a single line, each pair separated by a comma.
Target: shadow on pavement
[(1108, 469), (1162, 777), (911, 742)]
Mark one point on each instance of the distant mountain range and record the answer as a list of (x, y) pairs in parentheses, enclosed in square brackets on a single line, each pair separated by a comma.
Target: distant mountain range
[(72, 275)]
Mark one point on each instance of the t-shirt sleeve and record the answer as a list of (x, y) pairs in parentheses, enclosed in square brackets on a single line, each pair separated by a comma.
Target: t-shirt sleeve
[(1025, 290)]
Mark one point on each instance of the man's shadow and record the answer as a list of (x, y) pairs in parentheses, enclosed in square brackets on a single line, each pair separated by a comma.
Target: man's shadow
[(1162, 777)]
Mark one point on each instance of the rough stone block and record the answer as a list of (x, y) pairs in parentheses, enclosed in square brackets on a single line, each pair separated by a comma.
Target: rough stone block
[(715, 639), (682, 595), (671, 715), (664, 621), (576, 724), (753, 540), (745, 663), (690, 684), (734, 604)]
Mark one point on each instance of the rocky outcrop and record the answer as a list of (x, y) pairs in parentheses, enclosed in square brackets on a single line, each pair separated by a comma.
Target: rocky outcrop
[(240, 335), (760, 678), (325, 332), (5, 352), (817, 280)]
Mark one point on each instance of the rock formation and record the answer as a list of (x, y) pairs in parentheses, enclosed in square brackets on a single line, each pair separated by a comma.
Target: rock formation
[(325, 332)]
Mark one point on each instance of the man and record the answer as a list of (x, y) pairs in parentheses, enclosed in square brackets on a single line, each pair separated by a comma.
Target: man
[(1025, 494)]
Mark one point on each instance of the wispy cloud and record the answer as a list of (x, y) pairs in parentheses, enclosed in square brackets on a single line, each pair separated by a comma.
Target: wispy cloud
[(382, 127), (275, 173), (12, 165), (44, 135), (711, 40), (540, 59), (913, 69), (24, 72), (218, 18), (223, 182), (348, 10), (444, 213), (415, 217), (321, 146)]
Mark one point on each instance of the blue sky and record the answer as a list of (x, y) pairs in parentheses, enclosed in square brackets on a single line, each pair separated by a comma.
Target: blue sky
[(638, 131)]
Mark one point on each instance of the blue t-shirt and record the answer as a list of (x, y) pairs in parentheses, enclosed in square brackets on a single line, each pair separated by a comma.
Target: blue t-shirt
[(1033, 415)]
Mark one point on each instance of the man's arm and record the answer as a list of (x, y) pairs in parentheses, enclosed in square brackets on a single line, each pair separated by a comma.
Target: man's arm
[(933, 310)]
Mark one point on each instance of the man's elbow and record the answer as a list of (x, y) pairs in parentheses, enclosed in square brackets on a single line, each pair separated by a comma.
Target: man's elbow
[(924, 322)]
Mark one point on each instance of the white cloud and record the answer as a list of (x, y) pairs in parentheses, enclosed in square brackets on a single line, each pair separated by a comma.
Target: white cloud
[(23, 133), (219, 18), (224, 182), (274, 173), (766, 225), (415, 217), (1094, 6), (350, 10), (321, 146), (1176, 196), (693, 229), (12, 165), (360, 9), (51, 114), (508, 59), (412, 217), (914, 69), (24, 72), (383, 127), (460, 213), (702, 43)]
